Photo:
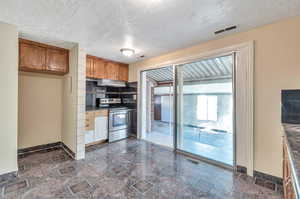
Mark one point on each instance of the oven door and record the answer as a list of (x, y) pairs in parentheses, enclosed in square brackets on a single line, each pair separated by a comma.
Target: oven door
[(118, 120)]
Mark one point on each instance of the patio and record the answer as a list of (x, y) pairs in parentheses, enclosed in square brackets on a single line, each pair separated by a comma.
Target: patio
[(207, 143)]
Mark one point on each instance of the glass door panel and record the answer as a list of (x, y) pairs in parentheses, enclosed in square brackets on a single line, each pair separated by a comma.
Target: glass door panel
[(157, 106), (204, 105)]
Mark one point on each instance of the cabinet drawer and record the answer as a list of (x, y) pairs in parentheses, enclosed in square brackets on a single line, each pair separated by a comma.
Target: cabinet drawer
[(103, 113), (117, 135)]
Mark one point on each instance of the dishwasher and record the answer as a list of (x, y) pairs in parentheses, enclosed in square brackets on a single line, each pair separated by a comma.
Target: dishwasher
[(101, 128)]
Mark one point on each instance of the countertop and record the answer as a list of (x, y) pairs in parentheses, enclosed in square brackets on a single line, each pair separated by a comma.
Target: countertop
[(292, 134)]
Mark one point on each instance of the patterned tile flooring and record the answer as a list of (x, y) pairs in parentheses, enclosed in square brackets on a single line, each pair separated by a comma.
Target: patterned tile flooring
[(126, 169)]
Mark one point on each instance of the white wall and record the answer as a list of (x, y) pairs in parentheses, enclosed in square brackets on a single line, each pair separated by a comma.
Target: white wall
[(74, 103), (9, 98), (69, 102)]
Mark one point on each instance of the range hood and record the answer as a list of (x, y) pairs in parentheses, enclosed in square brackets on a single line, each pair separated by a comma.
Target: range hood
[(109, 82)]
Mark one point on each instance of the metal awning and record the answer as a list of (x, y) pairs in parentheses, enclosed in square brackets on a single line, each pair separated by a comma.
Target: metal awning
[(215, 68)]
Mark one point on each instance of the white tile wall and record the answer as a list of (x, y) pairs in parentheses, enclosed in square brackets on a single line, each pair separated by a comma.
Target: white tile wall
[(80, 103)]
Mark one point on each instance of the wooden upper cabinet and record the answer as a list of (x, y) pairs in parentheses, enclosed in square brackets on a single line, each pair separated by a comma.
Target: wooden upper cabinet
[(57, 60), (105, 69), (123, 72), (112, 70), (89, 67), (100, 70), (31, 57), (38, 57)]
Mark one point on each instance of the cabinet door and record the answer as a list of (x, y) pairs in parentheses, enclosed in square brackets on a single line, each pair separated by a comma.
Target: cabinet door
[(112, 70), (57, 61), (101, 128), (89, 137), (123, 72), (89, 121), (89, 67), (100, 69), (31, 57), (288, 188)]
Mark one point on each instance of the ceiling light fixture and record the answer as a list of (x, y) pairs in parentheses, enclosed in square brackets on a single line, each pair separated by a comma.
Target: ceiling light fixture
[(127, 52)]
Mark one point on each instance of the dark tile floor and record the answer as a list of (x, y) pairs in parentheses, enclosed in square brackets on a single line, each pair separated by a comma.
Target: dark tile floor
[(126, 169)]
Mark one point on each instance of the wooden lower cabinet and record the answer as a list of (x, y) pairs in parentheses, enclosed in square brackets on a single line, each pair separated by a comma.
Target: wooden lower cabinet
[(89, 121), (288, 187)]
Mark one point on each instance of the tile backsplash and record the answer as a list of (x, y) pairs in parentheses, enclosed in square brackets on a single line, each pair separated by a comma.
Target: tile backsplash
[(290, 106)]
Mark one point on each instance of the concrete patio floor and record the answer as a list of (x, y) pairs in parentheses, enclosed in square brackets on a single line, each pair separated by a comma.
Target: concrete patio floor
[(209, 144)]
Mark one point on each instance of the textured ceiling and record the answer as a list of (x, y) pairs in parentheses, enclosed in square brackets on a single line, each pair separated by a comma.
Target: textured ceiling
[(151, 27)]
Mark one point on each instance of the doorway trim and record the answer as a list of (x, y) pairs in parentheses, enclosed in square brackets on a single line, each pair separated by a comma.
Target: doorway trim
[(244, 96)]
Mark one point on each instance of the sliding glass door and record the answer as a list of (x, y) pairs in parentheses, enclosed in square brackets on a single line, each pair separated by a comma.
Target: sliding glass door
[(205, 109), (157, 106), (196, 116)]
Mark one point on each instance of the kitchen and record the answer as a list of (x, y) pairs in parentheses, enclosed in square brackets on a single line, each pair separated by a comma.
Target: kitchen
[(110, 102), (114, 100)]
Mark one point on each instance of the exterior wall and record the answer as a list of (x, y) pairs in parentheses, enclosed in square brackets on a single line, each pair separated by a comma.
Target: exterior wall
[(224, 110), (190, 112), (166, 107), (74, 103), (276, 67), (9, 98), (40, 109)]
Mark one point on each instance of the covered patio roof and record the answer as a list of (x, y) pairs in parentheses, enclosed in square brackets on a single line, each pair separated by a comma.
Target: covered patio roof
[(208, 69)]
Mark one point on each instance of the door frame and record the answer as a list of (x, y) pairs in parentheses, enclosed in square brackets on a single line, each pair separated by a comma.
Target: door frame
[(244, 96)]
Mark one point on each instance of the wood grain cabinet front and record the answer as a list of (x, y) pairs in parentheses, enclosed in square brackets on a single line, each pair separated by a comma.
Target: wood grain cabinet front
[(112, 70), (89, 67), (89, 121), (57, 60), (99, 68), (31, 57), (288, 187), (42, 58), (123, 72), (103, 113)]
